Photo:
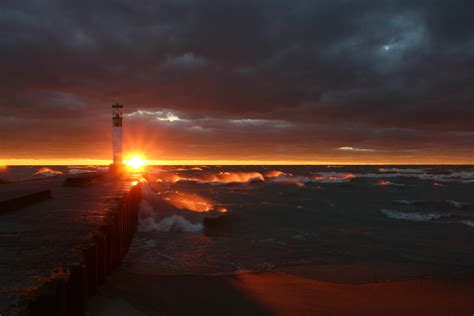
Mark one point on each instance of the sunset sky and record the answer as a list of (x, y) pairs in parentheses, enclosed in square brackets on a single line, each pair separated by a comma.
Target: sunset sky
[(263, 81)]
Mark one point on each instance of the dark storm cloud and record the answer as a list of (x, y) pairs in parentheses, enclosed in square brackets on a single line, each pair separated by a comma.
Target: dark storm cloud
[(360, 73)]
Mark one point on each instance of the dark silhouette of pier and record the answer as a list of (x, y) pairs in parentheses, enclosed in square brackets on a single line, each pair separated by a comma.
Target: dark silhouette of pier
[(61, 237)]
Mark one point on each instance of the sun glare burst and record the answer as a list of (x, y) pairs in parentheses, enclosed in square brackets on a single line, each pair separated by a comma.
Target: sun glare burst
[(135, 162)]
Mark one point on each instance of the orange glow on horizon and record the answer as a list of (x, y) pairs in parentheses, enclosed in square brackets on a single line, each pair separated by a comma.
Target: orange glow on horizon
[(194, 162)]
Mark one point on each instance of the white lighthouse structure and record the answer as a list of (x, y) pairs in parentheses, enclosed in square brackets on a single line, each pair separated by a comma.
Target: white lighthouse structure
[(117, 117)]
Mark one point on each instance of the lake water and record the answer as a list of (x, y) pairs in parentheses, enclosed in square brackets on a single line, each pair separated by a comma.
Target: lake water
[(230, 219)]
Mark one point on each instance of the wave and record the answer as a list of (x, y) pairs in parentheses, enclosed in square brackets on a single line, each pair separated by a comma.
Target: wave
[(276, 174), (322, 177), (232, 177), (328, 177), (288, 179), (387, 182), (420, 217), (334, 177), (168, 204), (192, 202), (211, 178), (174, 223), (147, 221), (247, 177), (383, 175), (444, 204), (414, 216), (80, 171), (469, 223), (461, 177), (48, 172), (401, 170)]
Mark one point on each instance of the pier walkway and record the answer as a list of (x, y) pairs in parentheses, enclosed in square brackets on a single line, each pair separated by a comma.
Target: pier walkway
[(58, 246)]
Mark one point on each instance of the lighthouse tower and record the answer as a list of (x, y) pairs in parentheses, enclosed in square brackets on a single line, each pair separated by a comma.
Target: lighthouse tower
[(117, 117)]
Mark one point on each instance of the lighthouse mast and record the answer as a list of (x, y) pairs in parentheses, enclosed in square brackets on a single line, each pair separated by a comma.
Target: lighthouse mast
[(117, 117)]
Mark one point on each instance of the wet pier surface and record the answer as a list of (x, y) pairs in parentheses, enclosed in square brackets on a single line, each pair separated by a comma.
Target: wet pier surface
[(82, 228)]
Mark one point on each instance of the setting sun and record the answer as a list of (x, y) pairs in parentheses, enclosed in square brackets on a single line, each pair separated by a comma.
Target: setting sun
[(135, 162)]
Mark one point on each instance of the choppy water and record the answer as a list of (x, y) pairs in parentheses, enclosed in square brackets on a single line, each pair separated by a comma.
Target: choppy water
[(263, 217), (280, 216)]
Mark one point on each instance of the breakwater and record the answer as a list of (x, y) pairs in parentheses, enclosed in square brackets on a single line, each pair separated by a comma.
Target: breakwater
[(57, 253)]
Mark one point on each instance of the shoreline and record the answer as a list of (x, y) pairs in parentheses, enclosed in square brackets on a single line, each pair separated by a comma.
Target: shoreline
[(279, 293)]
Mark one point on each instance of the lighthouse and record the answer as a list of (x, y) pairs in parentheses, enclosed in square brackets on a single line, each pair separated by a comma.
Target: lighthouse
[(117, 117)]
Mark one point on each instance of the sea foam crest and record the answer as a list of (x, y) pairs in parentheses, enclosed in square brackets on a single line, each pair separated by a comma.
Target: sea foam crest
[(174, 223), (401, 170), (452, 203), (414, 216), (468, 223), (148, 221)]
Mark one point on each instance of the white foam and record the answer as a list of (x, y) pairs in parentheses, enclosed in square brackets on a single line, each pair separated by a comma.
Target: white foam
[(332, 180), (79, 171), (288, 179), (456, 204), (452, 203), (174, 223), (148, 221), (48, 172), (461, 177), (408, 202), (333, 177), (401, 170), (382, 175), (415, 216), (468, 223)]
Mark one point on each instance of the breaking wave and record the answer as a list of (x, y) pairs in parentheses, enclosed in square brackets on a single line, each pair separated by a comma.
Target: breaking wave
[(401, 170), (461, 176), (166, 211), (229, 177), (321, 177), (414, 216), (174, 223), (48, 172), (80, 171), (192, 202), (468, 223), (279, 176), (275, 174), (334, 177), (444, 204), (383, 182), (211, 178), (457, 204)]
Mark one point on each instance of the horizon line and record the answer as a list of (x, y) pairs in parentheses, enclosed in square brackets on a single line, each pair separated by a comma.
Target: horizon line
[(152, 162)]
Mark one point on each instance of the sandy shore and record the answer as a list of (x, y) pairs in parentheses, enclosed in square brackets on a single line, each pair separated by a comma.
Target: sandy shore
[(279, 293)]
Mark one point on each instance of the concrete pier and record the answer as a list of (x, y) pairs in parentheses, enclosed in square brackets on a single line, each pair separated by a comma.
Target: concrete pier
[(60, 239)]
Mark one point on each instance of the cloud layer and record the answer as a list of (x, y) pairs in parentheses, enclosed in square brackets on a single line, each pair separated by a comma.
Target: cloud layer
[(269, 80)]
